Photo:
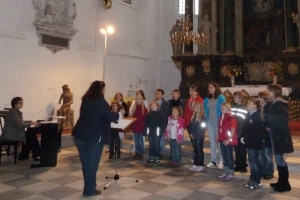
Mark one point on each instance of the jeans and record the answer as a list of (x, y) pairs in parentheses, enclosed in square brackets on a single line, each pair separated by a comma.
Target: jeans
[(139, 143), (266, 160), (255, 170), (90, 156), (213, 132), (162, 144), (198, 152), (175, 151), (279, 159), (227, 154), (154, 145), (240, 156)]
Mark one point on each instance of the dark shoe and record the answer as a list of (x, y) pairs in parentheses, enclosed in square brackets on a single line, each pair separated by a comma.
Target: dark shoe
[(36, 158), (150, 161), (95, 193), (244, 170), (268, 176), (140, 157), (110, 156), (136, 155), (283, 187), (156, 161), (23, 158), (254, 186), (237, 169)]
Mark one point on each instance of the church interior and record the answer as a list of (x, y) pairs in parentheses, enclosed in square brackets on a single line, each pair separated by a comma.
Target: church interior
[(50, 46)]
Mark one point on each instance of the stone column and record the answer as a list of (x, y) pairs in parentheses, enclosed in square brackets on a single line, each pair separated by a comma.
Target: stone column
[(239, 27), (214, 49), (188, 49), (200, 16), (288, 20), (229, 29)]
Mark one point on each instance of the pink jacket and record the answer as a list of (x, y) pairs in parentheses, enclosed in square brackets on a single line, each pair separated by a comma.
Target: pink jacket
[(179, 131)]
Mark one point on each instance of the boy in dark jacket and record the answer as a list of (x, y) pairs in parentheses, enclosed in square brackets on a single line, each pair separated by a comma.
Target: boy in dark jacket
[(153, 128), (252, 137)]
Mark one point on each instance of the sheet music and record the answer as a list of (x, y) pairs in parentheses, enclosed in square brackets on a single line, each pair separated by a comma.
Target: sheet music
[(122, 124)]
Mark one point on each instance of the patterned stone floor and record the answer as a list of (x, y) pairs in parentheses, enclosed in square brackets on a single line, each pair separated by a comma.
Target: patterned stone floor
[(155, 181)]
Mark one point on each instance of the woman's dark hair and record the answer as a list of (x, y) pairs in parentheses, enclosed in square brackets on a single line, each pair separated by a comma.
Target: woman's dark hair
[(15, 101), (217, 92), (142, 93), (276, 89), (94, 91)]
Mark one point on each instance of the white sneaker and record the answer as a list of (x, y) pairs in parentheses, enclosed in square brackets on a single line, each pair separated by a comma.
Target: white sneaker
[(220, 165), (199, 169), (192, 161), (193, 168), (210, 164)]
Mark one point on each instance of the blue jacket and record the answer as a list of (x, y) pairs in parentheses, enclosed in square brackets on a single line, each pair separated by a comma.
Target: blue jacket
[(221, 99), (94, 121)]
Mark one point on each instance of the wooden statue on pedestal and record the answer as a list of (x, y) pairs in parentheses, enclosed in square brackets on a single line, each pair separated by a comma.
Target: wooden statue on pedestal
[(65, 109)]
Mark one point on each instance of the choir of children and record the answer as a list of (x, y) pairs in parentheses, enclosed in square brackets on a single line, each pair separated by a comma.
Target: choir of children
[(239, 130)]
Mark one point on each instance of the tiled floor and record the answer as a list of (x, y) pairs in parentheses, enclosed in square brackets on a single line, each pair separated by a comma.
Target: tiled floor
[(155, 181)]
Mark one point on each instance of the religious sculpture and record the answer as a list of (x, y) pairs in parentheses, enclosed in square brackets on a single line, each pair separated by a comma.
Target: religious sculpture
[(176, 46), (296, 19), (54, 21), (65, 110), (205, 28)]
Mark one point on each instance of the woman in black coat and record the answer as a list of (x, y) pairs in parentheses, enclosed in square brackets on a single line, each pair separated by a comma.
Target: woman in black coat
[(278, 118), (91, 132)]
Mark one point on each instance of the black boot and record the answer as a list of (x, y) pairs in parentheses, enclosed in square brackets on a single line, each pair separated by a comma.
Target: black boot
[(273, 185), (284, 184)]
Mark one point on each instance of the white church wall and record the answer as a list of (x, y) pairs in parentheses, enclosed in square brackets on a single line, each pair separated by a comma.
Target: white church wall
[(170, 75), (34, 72), (138, 54)]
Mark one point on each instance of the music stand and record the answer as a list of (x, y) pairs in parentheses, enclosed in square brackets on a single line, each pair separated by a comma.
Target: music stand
[(122, 126)]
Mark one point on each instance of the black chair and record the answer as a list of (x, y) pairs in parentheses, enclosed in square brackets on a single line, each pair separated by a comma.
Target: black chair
[(8, 144)]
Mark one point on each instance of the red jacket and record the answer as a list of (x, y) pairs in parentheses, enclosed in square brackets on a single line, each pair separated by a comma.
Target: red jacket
[(138, 124), (188, 111), (224, 128)]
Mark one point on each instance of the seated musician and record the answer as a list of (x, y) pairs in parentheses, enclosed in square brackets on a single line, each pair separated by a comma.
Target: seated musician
[(14, 130)]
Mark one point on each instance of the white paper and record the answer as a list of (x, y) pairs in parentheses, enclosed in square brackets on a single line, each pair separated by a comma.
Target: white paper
[(122, 123)]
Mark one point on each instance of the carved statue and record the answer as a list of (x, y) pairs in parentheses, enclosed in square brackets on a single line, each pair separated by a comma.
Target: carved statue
[(176, 47), (296, 19), (206, 28), (65, 109), (55, 18)]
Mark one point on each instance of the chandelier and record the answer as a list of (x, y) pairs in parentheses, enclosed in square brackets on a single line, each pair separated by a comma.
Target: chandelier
[(186, 35)]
